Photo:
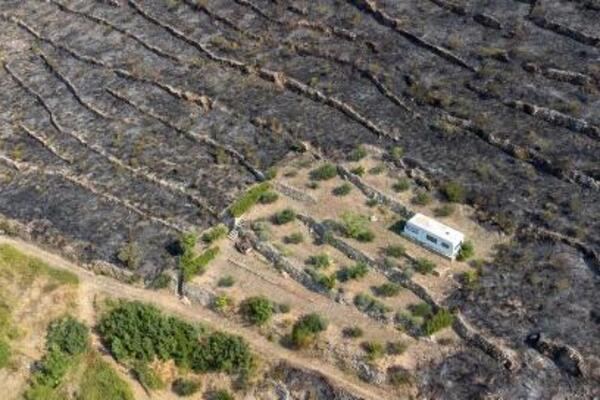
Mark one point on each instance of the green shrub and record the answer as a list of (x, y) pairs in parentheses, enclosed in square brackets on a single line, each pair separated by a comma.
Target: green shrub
[(257, 310), (294, 238), (223, 352), (374, 350), (396, 348), (53, 367), (454, 192), (324, 172), (440, 320), (222, 303), (68, 335), (422, 198), (306, 329), (319, 261), (355, 226), (422, 310), (190, 264), (467, 250), (185, 387), (444, 211), (162, 281), (353, 332), (401, 185), (424, 266), (271, 173), (4, 353), (147, 377), (395, 251), (357, 154), (285, 216), (268, 197), (360, 170), (129, 255), (370, 305), (371, 202), (356, 271), (342, 190), (33, 267), (226, 281), (470, 279), (387, 289), (222, 395), (248, 199), (215, 234), (326, 281), (396, 153)]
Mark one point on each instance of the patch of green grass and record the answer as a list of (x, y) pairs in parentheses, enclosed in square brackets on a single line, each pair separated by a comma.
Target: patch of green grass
[(319, 261), (294, 238), (226, 281), (377, 170), (214, 234), (324, 172), (395, 251), (444, 211), (28, 268), (422, 198), (401, 185), (101, 382), (355, 226), (268, 197), (424, 266), (440, 320), (4, 353), (453, 192), (356, 271), (467, 250), (248, 199), (357, 154), (147, 377), (374, 350), (387, 289)]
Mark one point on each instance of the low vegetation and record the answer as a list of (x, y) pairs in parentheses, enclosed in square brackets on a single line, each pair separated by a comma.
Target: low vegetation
[(248, 199), (294, 238), (342, 190), (453, 192), (319, 261), (424, 266), (135, 331), (268, 197), (324, 172), (395, 251), (226, 281), (401, 185), (306, 329), (374, 350), (387, 289), (185, 387), (214, 234), (357, 154), (354, 226), (189, 263), (370, 305), (467, 250), (257, 310), (352, 332), (422, 198), (284, 216), (355, 271)]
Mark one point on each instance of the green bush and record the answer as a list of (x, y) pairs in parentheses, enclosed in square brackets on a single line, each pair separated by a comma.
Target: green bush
[(374, 350), (222, 395), (422, 310), (352, 332), (248, 199), (371, 202), (467, 250), (326, 281), (306, 329), (226, 281), (440, 320), (4, 353), (395, 251), (222, 352), (271, 173), (53, 367), (319, 261), (162, 281), (424, 266), (257, 310), (101, 382), (285, 216), (68, 335), (360, 170), (356, 271), (400, 378), (268, 197), (377, 170), (401, 185), (454, 192), (147, 377), (222, 303), (396, 153), (357, 154), (324, 172), (387, 289), (342, 190), (370, 305), (214, 234), (129, 255), (355, 226), (185, 387), (294, 238), (422, 198)]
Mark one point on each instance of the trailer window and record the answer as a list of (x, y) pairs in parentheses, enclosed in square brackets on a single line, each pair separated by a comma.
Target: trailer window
[(445, 245), (431, 239), (412, 229)]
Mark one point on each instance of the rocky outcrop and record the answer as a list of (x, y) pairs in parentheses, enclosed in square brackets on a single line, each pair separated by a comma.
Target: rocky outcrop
[(564, 356)]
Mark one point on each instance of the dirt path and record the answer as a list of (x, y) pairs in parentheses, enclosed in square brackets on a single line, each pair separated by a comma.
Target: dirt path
[(94, 284)]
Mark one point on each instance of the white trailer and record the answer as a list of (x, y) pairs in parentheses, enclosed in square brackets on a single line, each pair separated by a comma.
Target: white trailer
[(434, 235)]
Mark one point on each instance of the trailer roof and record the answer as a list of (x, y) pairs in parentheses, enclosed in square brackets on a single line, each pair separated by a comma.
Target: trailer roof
[(436, 228)]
